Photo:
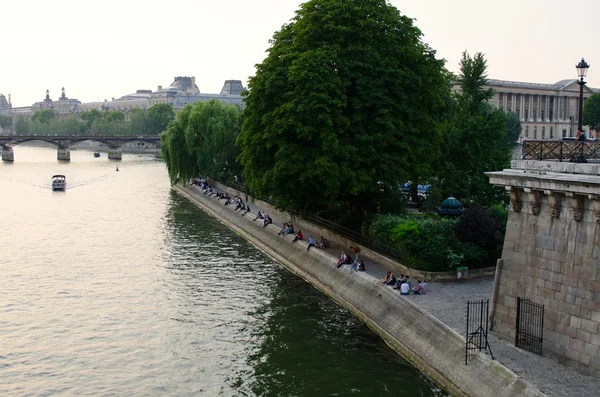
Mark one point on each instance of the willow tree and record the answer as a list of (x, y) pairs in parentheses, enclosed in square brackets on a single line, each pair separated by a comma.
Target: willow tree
[(202, 140), (343, 108)]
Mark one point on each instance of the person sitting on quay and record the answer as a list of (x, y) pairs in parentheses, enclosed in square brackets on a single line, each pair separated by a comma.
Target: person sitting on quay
[(299, 236), (419, 289), (323, 243), (311, 243), (404, 289), (347, 260), (259, 216), (391, 280), (283, 230), (386, 278), (342, 259), (400, 281), (361, 266), (356, 250), (267, 221), (246, 210)]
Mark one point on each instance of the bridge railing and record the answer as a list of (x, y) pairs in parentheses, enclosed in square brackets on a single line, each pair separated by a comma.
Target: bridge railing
[(565, 150)]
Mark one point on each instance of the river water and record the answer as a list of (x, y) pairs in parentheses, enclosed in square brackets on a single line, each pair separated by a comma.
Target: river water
[(119, 287)]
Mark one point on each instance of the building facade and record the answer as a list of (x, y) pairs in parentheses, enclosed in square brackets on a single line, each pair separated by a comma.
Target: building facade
[(546, 111)]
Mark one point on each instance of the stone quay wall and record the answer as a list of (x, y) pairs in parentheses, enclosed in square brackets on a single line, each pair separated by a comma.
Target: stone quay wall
[(426, 342), (395, 266), (551, 256)]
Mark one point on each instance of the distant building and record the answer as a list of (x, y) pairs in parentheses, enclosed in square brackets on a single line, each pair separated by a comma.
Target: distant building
[(546, 111), (182, 91)]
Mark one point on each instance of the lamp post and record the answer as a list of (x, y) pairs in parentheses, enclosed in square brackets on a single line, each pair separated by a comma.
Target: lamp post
[(582, 68)]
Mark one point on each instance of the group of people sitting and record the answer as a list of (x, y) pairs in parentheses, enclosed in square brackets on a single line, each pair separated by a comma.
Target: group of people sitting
[(356, 265), (403, 284)]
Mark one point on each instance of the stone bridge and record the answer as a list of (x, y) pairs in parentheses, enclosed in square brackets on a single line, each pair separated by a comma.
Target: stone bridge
[(64, 142)]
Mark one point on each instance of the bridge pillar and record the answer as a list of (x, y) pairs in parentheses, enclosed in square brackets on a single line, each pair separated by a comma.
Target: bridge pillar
[(8, 155), (115, 154), (63, 154)]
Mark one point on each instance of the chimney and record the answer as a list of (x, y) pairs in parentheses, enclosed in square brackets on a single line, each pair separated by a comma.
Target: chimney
[(113, 98), (160, 87)]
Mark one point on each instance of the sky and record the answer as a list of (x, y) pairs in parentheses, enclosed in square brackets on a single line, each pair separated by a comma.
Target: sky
[(103, 49)]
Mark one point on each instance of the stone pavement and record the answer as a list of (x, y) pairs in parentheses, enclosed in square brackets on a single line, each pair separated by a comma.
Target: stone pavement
[(447, 302)]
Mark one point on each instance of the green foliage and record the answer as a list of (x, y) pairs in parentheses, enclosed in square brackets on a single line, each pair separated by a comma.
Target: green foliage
[(43, 116), (436, 244), (89, 116), (158, 117), (112, 123), (22, 125), (57, 126), (475, 139), (512, 129), (591, 112), (139, 122), (202, 140), (6, 122), (347, 101)]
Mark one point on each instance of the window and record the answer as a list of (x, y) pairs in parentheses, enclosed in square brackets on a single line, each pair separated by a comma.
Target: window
[(543, 132), (534, 132), (551, 132), (564, 133), (527, 132)]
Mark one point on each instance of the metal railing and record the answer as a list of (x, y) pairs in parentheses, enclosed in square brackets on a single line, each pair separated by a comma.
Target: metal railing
[(334, 227), (529, 333), (476, 338), (565, 150)]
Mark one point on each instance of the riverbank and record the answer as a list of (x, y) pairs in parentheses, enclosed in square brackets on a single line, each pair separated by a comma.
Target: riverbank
[(430, 345)]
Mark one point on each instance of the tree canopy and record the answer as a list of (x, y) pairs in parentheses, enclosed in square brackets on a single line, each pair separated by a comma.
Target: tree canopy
[(475, 138), (43, 116), (344, 105), (202, 140), (591, 112), (158, 117)]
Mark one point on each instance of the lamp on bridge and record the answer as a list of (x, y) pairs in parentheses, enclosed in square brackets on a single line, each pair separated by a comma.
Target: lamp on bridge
[(582, 68)]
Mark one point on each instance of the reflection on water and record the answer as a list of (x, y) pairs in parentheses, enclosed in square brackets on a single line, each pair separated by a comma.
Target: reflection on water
[(119, 287)]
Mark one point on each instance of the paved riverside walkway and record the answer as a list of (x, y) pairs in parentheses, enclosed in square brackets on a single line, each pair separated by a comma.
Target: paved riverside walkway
[(447, 302)]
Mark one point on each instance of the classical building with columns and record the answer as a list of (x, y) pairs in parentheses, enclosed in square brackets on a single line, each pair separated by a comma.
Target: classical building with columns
[(546, 111)]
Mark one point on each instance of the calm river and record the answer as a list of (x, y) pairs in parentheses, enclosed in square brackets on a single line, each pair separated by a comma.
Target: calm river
[(118, 287)]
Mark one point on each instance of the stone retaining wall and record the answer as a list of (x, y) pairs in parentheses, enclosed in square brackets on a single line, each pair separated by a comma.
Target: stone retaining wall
[(394, 265), (426, 342)]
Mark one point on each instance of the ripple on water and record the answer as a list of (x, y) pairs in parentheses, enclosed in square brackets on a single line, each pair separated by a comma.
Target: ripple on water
[(119, 287)]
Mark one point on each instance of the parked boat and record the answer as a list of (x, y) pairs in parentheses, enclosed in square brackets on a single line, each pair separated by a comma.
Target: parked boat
[(96, 154), (59, 183)]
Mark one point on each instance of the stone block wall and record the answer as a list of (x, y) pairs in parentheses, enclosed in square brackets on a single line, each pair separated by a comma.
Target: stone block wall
[(551, 255)]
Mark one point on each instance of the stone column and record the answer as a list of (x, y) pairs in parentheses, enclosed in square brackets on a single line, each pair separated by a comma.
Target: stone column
[(538, 115), (8, 155), (115, 154), (63, 154), (522, 110), (530, 106), (547, 108), (504, 101)]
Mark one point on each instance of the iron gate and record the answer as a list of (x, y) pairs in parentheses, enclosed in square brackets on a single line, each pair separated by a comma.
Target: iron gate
[(477, 328), (530, 326)]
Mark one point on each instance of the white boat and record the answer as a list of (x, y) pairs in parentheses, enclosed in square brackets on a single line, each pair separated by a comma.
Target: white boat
[(59, 183)]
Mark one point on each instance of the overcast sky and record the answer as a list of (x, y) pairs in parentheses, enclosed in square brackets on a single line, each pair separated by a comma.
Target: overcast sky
[(109, 48)]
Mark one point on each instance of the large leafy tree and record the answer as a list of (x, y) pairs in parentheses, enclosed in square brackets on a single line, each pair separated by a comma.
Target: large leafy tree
[(474, 138), (89, 116), (158, 117), (202, 140), (343, 108), (591, 112), (6, 122), (43, 116)]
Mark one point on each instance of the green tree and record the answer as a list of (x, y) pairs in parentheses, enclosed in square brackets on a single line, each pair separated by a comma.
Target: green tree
[(43, 116), (89, 116), (513, 128), (113, 116), (209, 130), (22, 125), (591, 112), (158, 117), (139, 122), (6, 123), (474, 139), (343, 107)]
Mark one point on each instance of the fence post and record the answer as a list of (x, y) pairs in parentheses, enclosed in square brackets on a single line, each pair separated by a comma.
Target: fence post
[(518, 321)]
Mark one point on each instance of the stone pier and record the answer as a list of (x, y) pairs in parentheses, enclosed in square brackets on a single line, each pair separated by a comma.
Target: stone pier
[(63, 154), (115, 154), (551, 256), (8, 155)]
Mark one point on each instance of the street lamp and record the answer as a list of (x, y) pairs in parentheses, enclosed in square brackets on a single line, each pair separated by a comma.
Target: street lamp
[(582, 68)]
